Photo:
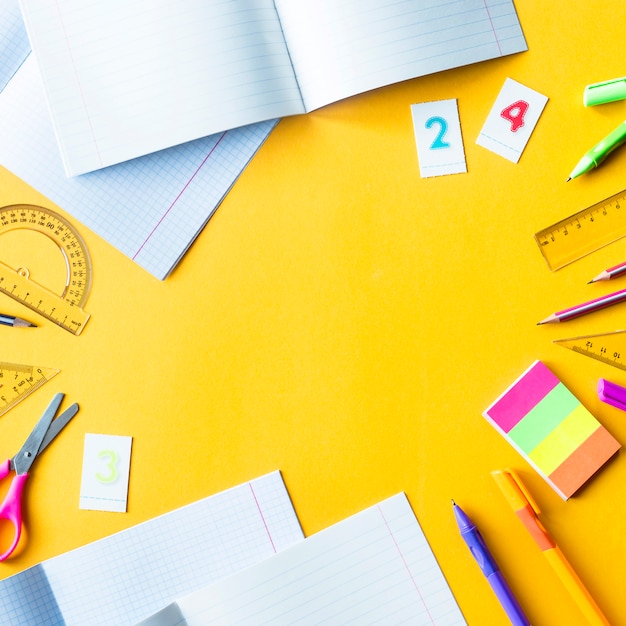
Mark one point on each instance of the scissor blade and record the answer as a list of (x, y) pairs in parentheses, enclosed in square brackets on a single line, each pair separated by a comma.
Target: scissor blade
[(28, 452), (57, 426)]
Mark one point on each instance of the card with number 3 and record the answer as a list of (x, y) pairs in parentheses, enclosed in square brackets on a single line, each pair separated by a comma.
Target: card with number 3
[(438, 137), (106, 468), (512, 119)]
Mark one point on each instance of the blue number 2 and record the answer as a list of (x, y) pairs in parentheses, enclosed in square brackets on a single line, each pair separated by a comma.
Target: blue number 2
[(443, 129)]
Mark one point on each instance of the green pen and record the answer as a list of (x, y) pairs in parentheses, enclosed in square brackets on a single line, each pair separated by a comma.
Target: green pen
[(599, 152)]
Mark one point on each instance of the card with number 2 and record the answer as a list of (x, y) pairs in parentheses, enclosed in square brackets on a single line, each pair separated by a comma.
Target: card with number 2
[(438, 137)]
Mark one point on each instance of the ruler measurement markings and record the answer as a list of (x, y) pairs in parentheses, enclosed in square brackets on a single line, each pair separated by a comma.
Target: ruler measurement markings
[(583, 232), (21, 381), (608, 348)]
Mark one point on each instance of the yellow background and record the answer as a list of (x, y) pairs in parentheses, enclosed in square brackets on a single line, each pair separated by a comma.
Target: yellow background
[(346, 321)]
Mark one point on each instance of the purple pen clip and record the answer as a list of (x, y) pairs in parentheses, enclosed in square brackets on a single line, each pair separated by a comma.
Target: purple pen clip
[(612, 394)]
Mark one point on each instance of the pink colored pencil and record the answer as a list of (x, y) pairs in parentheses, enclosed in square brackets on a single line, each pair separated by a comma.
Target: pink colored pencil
[(586, 307), (612, 272)]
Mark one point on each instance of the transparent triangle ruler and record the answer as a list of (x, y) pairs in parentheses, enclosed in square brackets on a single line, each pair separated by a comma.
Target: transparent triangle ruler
[(52, 234), (584, 232), (609, 348), (19, 381)]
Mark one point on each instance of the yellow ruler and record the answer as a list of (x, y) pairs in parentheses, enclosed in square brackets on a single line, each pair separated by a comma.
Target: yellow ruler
[(584, 232), (62, 304), (609, 348), (19, 381)]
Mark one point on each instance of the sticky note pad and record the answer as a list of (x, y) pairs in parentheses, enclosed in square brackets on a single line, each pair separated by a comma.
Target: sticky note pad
[(552, 430), (106, 468), (512, 120), (438, 137)]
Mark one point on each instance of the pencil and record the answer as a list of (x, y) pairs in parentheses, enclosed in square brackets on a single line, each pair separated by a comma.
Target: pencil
[(586, 307), (609, 274), (9, 320)]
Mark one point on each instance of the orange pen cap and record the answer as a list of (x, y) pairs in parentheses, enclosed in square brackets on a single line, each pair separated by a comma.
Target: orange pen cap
[(525, 507)]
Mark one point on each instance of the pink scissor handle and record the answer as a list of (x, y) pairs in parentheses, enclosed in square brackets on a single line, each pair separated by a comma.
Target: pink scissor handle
[(5, 468), (11, 510)]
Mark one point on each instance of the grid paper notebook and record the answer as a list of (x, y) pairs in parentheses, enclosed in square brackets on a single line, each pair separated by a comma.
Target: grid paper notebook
[(124, 79), (151, 209), (14, 46), (375, 567), (124, 577)]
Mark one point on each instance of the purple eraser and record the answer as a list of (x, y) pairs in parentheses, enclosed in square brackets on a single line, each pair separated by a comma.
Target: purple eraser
[(612, 394)]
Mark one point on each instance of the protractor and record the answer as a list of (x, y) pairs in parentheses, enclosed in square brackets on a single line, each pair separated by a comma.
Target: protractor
[(44, 264)]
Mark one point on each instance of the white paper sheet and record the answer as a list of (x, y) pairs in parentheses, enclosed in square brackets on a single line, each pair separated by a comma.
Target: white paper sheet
[(438, 136), (512, 119), (106, 470)]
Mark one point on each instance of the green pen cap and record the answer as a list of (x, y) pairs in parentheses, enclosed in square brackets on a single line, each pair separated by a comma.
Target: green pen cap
[(606, 91)]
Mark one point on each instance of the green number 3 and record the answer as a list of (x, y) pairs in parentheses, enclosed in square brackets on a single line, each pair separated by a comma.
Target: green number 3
[(111, 465)]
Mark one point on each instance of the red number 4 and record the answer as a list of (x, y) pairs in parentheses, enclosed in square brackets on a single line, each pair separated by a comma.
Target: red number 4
[(515, 113)]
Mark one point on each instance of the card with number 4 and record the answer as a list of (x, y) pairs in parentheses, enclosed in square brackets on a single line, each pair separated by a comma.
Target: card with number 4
[(512, 120), (438, 137), (106, 468)]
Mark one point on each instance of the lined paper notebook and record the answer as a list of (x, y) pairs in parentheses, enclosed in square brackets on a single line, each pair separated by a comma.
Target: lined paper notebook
[(120, 579), (375, 567), (124, 79), (152, 208)]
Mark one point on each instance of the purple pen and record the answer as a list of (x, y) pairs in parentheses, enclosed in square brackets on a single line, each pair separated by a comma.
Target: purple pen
[(472, 537)]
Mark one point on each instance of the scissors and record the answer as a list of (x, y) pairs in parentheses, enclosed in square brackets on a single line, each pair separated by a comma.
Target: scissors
[(45, 431)]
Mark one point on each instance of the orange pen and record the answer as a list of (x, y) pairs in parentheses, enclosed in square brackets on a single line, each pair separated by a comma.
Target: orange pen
[(527, 511)]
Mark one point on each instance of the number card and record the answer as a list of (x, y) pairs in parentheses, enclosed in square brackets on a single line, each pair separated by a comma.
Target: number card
[(438, 137), (512, 120), (106, 467)]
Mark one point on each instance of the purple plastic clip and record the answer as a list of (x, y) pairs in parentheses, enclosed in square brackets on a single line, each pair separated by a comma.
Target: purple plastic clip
[(612, 394)]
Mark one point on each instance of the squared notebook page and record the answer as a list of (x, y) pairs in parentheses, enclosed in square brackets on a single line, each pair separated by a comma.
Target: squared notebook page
[(151, 209), (124, 79), (374, 567), (14, 45), (340, 48), (124, 577)]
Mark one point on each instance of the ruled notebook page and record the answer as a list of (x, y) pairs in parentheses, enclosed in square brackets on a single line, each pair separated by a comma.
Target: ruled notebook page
[(124, 79), (341, 48), (374, 567)]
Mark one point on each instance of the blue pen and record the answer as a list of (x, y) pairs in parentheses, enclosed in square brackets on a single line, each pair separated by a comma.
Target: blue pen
[(472, 537)]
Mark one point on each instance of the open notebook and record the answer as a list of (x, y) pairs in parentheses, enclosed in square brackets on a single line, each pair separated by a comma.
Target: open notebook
[(122, 578), (152, 208), (124, 79), (375, 567)]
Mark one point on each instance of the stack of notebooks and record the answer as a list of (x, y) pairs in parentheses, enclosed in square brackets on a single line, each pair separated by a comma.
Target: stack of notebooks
[(161, 105), (240, 557)]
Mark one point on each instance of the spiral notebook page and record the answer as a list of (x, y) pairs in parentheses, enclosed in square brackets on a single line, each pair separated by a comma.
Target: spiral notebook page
[(124, 577), (374, 567)]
